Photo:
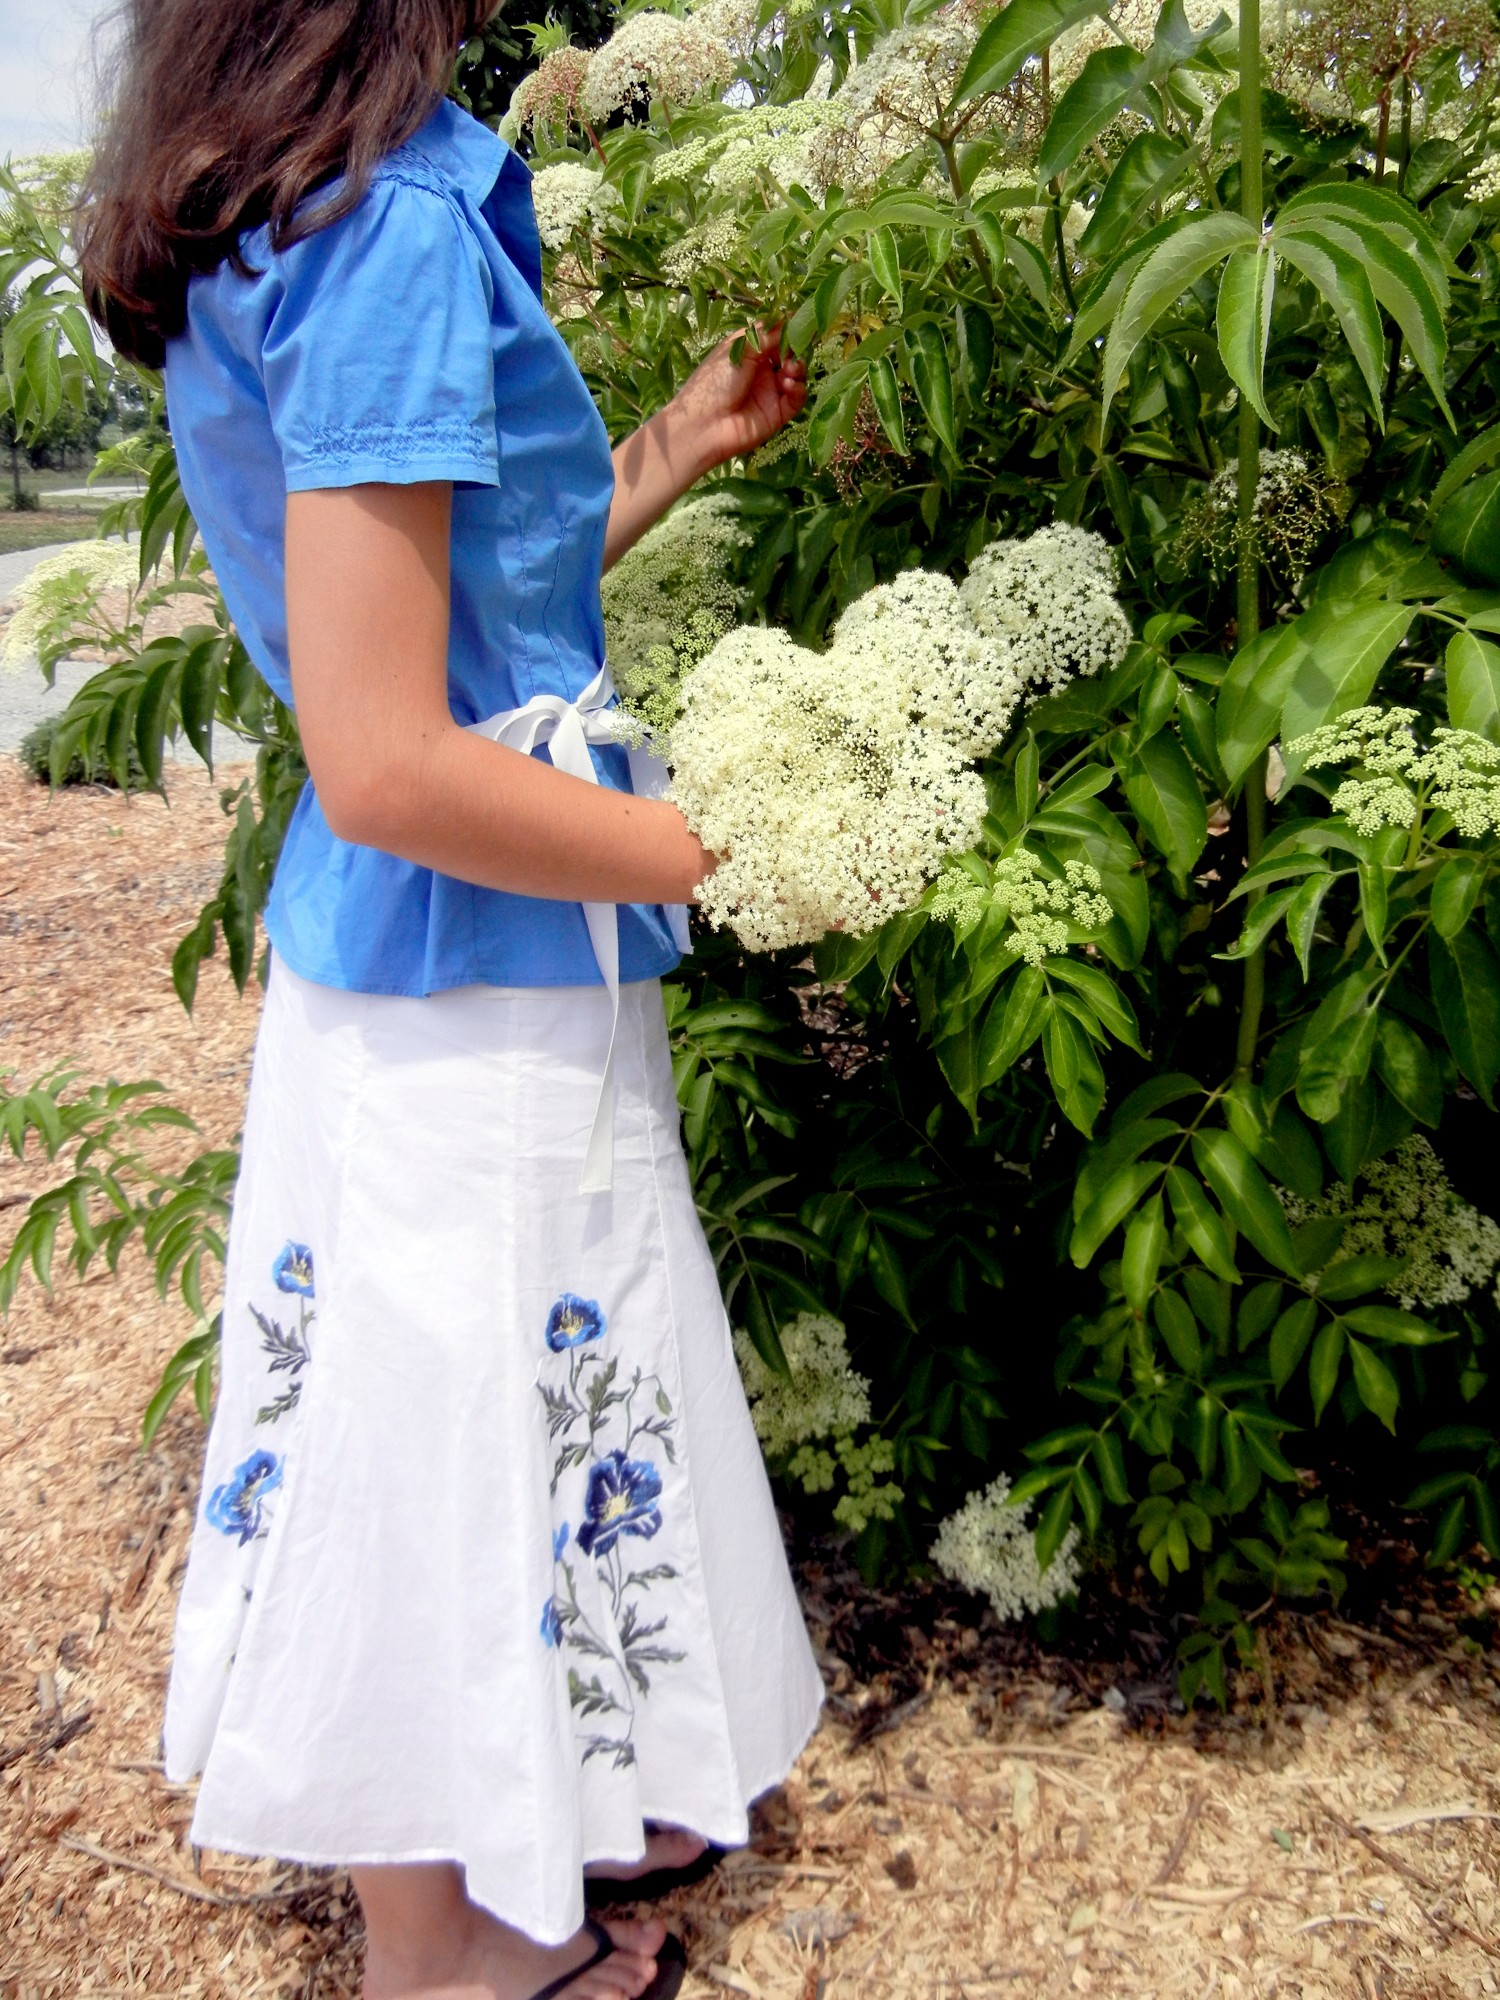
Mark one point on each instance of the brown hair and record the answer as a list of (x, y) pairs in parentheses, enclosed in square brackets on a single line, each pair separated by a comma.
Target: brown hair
[(230, 113)]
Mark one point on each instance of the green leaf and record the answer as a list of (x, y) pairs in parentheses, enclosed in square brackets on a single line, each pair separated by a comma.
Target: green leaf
[(1252, 693), (1117, 1199), (886, 396), (1477, 456), (1404, 1064), (1340, 281), (1352, 1277), (1323, 1369), (1166, 798), (1202, 1224), (1018, 32), (1076, 1076), (1375, 208), (1149, 168), (1246, 292), (1302, 918), (933, 380), (1246, 1196), (1097, 306), (1457, 889), (1467, 529), (1056, 1518), (1345, 652), (1145, 1240), (1406, 291), (1375, 1383), (1103, 995), (1402, 1329), (1012, 1024), (885, 262), (1163, 277), (1179, 1329), (1094, 99), (1466, 991), (1289, 1338), (1334, 1060), (1473, 676)]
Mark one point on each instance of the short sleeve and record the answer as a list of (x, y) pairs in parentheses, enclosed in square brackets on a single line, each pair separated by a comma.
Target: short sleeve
[(377, 358)]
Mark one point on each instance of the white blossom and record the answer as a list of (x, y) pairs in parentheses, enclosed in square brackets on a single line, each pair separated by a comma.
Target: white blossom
[(824, 1395), (1405, 1206), (654, 54), (822, 819), (569, 194), (668, 599), (1049, 600), (64, 587), (550, 93), (1459, 772), (988, 1548)]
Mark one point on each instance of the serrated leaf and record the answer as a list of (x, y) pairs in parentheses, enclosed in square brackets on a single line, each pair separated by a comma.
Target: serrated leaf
[(1246, 293), (1467, 530), (1466, 991), (1167, 799), (1201, 1223), (1375, 1383), (1405, 290), (1339, 671), (1149, 168), (1018, 32), (1094, 99), (1472, 669), (1246, 1196), (1163, 277)]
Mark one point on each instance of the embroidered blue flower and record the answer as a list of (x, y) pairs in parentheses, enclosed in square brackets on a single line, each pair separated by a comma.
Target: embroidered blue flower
[(572, 1322), (235, 1507), (293, 1270), (621, 1500), (559, 1542), (551, 1622)]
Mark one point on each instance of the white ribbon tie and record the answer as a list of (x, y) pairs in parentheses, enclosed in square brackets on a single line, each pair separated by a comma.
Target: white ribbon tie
[(568, 728)]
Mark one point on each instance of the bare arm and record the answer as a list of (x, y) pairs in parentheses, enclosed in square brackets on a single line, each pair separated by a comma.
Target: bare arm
[(367, 613), (724, 408)]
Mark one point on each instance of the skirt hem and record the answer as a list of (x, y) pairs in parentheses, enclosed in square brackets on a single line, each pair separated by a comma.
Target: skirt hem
[(658, 1807)]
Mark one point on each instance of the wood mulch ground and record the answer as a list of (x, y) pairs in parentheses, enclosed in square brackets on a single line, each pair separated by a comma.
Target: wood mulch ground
[(979, 1814)]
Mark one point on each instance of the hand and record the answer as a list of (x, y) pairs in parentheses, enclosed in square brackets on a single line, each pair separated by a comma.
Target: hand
[(727, 408)]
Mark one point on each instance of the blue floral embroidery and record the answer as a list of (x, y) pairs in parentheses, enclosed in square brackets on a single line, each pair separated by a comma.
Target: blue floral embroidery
[(597, 1418), (236, 1507), (293, 1270), (621, 1500), (573, 1322)]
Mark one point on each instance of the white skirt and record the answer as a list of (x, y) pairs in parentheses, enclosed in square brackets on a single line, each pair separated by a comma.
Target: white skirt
[(486, 1568)]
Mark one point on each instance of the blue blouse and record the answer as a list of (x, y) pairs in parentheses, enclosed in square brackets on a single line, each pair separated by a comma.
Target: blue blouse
[(408, 342)]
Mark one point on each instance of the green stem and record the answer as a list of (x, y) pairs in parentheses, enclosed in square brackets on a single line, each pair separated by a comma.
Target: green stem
[(1247, 581), (1062, 250)]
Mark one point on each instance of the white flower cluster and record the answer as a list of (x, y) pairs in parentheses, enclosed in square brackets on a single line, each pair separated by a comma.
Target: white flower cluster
[(568, 194), (1456, 774), (1049, 600), (716, 241), (654, 53), (988, 1548), (761, 138), (60, 590), (549, 95), (1040, 908), (911, 653), (824, 1395), (1406, 1207), (1484, 181), (892, 102), (667, 600), (823, 819)]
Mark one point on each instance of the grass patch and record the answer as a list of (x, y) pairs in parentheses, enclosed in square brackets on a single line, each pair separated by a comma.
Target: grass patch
[(38, 527)]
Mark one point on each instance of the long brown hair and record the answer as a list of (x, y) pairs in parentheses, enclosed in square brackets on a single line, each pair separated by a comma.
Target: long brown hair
[(229, 113)]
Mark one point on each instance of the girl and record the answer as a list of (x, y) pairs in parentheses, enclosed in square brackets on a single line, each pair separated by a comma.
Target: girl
[(486, 1588)]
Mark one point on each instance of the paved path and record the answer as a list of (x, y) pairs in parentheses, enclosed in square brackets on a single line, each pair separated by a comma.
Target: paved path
[(25, 698)]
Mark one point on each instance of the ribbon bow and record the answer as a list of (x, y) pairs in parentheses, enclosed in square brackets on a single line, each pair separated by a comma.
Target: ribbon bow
[(568, 728)]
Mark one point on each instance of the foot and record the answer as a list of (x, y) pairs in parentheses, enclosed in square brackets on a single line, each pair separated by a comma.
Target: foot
[(495, 1962), (666, 1847)]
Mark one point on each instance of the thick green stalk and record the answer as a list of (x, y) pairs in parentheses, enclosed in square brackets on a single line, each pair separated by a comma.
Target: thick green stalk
[(1252, 207)]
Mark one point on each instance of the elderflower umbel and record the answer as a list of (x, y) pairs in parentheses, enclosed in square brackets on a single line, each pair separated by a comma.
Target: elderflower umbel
[(1295, 506), (654, 54), (824, 1395), (1050, 600), (549, 95), (667, 600), (568, 194), (1405, 1206), (911, 646), (823, 821), (1456, 774), (988, 1548), (61, 589)]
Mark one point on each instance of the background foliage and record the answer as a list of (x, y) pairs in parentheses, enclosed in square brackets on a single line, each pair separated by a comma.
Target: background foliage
[(1169, 1226)]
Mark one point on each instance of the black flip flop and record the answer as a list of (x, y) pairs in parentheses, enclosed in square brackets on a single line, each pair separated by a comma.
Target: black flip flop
[(600, 1891), (671, 1966)]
